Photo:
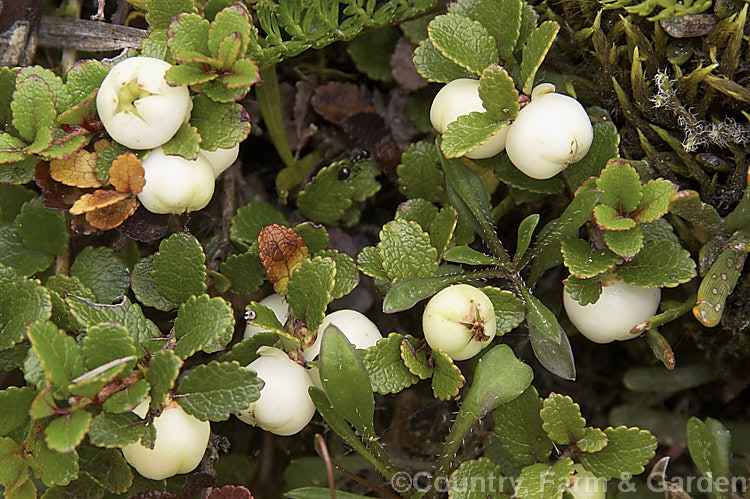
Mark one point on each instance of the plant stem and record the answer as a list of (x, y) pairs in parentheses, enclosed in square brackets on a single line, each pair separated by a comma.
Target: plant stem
[(462, 425), (269, 100)]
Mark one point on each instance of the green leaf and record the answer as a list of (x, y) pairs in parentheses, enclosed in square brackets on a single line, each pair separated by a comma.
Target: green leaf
[(319, 493), (14, 254), (657, 379), (518, 427), (535, 50), (251, 218), (107, 342), (127, 399), (230, 20), (541, 481), (509, 309), (346, 381), (107, 467), (310, 290), (555, 353), (246, 351), (371, 52), (370, 263), (11, 149), (415, 359), (583, 261), (655, 201), (229, 50), (65, 433), (688, 205), (52, 467), (186, 142), (419, 174), (346, 276), (33, 107), (463, 41), (525, 233), (584, 291), (203, 323), (406, 251), (12, 199), (434, 66), (163, 369), (508, 173), (143, 286), (539, 316), (417, 210), (625, 243), (498, 93), (468, 132), (659, 264), (447, 379), (477, 479), (593, 441), (116, 430), (407, 293), (263, 317), (604, 146), (220, 125), (708, 443), (562, 419), (160, 12), (84, 78), (102, 271), (621, 187), (442, 229), (388, 373), (469, 256), (189, 73), (42, 229), (314, 236), (179, 268), (16, 403), (57, 352), (13, 466), (628, 451), (245, 271), (243, 75), (187, 37), (609, 218), (215, 390), (22, 302)]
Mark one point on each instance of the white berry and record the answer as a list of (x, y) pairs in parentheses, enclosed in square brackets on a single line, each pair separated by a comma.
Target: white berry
[(461, 97), (284, 406), (181, 441), (620, 307), (586, 485), (358, 329), (136, 105), (221, 159), (280, 308), (550, 132), (460, 320), (175, 184)]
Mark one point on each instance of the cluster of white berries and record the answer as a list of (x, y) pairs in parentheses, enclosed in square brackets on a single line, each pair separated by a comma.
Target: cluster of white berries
[(141, 111), (549, 133)]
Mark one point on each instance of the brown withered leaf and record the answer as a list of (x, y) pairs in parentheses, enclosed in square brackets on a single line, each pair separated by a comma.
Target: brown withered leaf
[(56, 196), (230, 492), (113, 215), (282, 251), (81, 226), (126, 174), (144, 226), (336, 100), (96, 200), (402, 65), (78, 170)]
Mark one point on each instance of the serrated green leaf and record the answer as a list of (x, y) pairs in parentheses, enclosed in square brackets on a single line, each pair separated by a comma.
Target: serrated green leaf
[(655, 201), (33, 107), (13, 466), (319, 493), (179, 268), (688, 205), (562, 419), (518, 427), (509, 174), (463, 41), (231, 20), (64, 433), (370, 263), (144, 288), (434, 66), (57, 352), (116, 430), (161, 12), (243, 75), (107, 342), (609, 218), (419, 174), (105, 157), (498, 93), (219, 125), (447, 379), (23, 301), (16, 403), (65, 148), (443, 228), (583, 261), (203, 323), (468, 132), (187, 37), (84, 78), (107, 467), (261, 316), (708, 443), (14, 254), (415, 359), (314, 236), (347, 276), (189, 73), (475, 479), (537, 45), (406, 251), (593, 440), (215, 390), (628, 451), (659, 264), (469, 256), (604, 147), (102, 271), (626, 243), (12, 198), (251, 218), (541, 481), (621, 186), (584, 291), (371, 52), (186, 142), (246, 351), (388, 373), (163, 369), (417, 210), (220, 92), (42, 229), (58, 468), (245, 271), (11, 149), (127, 399), (229, 50), (509, 309), (7, 86), (310, 290)]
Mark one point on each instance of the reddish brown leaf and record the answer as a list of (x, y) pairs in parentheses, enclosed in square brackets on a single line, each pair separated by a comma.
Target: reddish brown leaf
[(403, 69), (281, 253), (96, 200), (365, 129), (230, 492), (144, 226), (56, 196), (126, 173), (113, 215), (337, 100), (77, 170)]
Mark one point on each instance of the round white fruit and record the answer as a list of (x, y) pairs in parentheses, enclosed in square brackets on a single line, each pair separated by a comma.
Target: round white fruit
[(550, 132), (620, 307), (586, 485), (461, 97), (136, 105), (284, 406), (459, 320), (175, 184), (280, 308), (180, 444), (221, 159), (358, 329)]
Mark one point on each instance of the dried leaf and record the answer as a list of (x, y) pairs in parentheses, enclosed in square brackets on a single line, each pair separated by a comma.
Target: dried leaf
[(144, 226), (113, 215), (337, 100), (126, 174), (77, 171), (96, 200), (56, 196)]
